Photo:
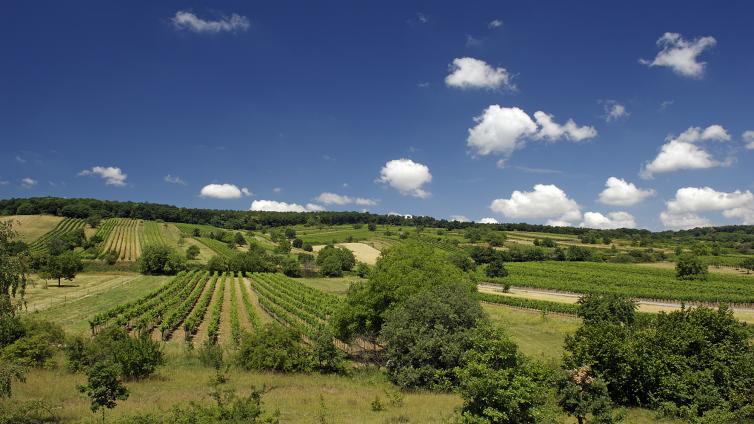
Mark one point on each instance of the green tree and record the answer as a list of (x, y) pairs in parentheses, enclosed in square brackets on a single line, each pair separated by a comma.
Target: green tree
[(192, 252), (273, 348), (297, 243), (690, 267), (64, 266), (426, 335), (581, 393), (748, 265), (161, 259), (9, 372), (400, 272), (496, 268), (607, 307), (330, 266), (239, 239), (290, 233), (372, 226), (326, 356), (103, 387), (94, 220), (196, 232), (497, 383)]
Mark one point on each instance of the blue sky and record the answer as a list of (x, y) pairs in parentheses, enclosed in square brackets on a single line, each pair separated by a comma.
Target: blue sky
[(421, 108)]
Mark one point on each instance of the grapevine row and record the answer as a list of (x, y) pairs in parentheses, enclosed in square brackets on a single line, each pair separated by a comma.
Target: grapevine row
[(235, 324), (213, 330), (177, 315), (191, 324), (63, 227)]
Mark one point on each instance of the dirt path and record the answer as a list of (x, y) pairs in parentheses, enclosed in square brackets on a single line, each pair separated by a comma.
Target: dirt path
[(744, 314), (264, 318), (224, 335)]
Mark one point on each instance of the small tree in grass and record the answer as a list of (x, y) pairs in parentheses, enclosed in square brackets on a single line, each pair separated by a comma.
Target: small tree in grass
[(103, 387), (690, 267), (240, 240), (580, 393), (64, 266), (748, 265), (192, 252)]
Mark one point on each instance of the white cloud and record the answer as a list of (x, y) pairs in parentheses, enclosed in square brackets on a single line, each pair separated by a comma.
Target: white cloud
[(748, 137), (488, 220), (275, 206), (28, 182), (277, 189), (224, 191), (174, 180), (422, 17), (111, 174), (551, 130), (665, 104), (613, 220), (338, 199), (406, 176), (184, 20), (495, 23), (19, 159), (459, 218), (502, 130), (682, 152), (614, 110), (684, 210), (545, 201), (681, 55), (467, 72), (619, 192)]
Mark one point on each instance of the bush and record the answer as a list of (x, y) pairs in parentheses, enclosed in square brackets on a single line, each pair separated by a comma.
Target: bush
[(192, 252), (160, 259), (426, 334), (307, 247), (110, 258), (607, 307), (273, 348), (137, 357), (211, 354), (36, 346), (690, 267)]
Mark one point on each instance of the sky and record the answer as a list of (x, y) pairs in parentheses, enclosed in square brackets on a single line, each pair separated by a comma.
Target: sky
[(597, 114)]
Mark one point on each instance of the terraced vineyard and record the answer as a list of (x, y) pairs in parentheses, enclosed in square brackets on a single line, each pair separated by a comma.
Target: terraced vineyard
[(217, 246), (124, 236), (62, 228), (194, 300)]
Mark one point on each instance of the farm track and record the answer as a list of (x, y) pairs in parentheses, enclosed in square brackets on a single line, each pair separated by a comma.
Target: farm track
[(202, 331), (645, 305), (243, 317)]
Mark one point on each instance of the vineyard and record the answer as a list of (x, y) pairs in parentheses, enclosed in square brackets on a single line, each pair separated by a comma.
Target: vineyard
[(62, 228), (196, 300), (123, 236), (630, 280)]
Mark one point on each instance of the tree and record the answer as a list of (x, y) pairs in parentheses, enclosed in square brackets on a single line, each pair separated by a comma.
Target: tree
[(290, 233), (327, 357), (581, 393), (64, 266), (426, 335), (196, 233), (239, 239), (607, 307), (161, 259), (192, 252), (690, 267), (473, 234), (103, 387), (297, 243), (496, 268), (273, 348), (400, 272), (496, 238), (307, 247), (111, 257), (291, 267), (284, 246), (372, 226), (94, 220), (330, 266), (497, 383)]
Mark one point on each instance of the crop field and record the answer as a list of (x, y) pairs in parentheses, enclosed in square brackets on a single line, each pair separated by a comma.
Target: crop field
[(217, 246), (124, 236), (631, 280), (63, 227)]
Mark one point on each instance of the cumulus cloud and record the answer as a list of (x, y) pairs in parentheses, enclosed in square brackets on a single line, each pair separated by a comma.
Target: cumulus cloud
[(551, 130), (684, 210), (503, 130), (614, 110), (748, 137), (174, 180), (546, 201), (188, 21), (28, 182), (612, 221), (488, 220), (111, 174), (683, 152), (681, 55), (495, 23), (275, 206), (459, 218), (619, 192), (338, 199), (467, 72), (407, 176), (224, 191)]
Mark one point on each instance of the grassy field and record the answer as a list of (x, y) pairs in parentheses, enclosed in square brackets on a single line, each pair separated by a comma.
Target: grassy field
[(88, 295), (32, 227)]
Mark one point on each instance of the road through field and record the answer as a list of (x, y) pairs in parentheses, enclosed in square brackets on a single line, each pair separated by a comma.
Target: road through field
[(744, 314)]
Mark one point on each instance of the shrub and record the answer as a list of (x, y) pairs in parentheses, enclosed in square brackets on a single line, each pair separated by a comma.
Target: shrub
[(136, 357), (273, 348), (160, 259), (690, 267), (192, 252), (607, 307)]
